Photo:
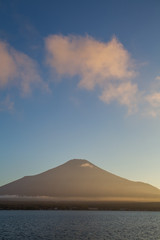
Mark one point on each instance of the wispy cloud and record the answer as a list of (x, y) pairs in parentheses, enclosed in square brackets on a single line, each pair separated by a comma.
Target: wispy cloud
[(157, 78), (18, 69), (152, 98), (124, 93), (106, 65), (7, 104)]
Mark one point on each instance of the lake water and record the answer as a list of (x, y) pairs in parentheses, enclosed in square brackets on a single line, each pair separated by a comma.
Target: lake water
[(77, 225)]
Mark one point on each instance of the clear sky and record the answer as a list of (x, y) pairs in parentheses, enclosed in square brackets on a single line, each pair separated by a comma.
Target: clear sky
[(80, 79)]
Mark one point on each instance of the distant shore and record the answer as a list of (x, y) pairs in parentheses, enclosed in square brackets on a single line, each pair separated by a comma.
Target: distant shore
[(25, 204)]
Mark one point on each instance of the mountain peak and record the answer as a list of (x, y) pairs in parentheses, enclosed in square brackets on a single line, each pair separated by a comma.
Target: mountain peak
[(79, 163), (79, 178), (77, 160)]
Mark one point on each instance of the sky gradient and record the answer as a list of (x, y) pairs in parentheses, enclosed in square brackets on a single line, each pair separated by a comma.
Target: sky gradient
[(80, 79)]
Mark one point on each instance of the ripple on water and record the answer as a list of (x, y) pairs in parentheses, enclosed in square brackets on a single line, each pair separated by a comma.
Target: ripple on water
[(77, 225)]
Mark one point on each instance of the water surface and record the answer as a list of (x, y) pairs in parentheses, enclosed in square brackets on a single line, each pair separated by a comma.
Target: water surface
[(77, 225)]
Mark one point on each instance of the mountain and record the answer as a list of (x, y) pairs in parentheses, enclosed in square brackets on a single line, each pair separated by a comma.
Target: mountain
[(80, 179)]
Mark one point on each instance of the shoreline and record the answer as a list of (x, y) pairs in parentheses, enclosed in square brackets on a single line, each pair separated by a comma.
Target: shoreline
[(14, 204)]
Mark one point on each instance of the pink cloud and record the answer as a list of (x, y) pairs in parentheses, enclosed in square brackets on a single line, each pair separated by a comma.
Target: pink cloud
[(8, 67), (18, 69), (152, 99), (106, 65), (125, 93)]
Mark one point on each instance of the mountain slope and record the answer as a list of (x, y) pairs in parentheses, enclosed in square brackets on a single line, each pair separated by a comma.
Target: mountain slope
[(79, 179)]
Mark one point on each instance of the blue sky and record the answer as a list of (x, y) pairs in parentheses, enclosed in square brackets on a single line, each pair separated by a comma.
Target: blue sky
[(80, 79)]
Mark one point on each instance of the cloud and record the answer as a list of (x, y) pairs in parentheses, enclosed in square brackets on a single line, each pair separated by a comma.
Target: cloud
[(125, 94), (8, 66), (157, 78), (87, 165), (18, 69), (7, 104), (105, 65), (152, 98)]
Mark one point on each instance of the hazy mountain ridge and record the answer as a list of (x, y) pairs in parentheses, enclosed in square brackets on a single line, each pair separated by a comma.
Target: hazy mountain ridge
[(79, 178)]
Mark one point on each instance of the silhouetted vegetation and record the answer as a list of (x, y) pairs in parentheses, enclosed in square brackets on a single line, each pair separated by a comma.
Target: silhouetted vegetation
[(77, 205)]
